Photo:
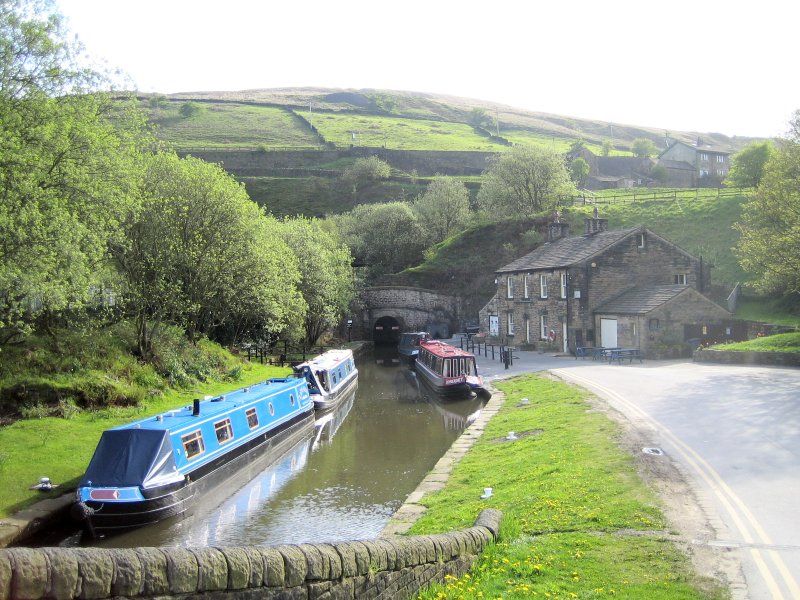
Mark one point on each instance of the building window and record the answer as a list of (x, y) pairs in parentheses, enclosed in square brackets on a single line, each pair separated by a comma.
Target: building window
[(703, 156), (224, 431), (252, 418), (543, 327), (680, 279), (193, 444), (510, 324), (543, 286), (703, 172), (705, 330), (720, 158), (641, 240), (525, 286), (509, 287), (564, 285), (527, 330), (721, 172), (654, 325)]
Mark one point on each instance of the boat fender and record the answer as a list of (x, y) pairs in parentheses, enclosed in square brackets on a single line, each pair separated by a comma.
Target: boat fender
[(80, 511)]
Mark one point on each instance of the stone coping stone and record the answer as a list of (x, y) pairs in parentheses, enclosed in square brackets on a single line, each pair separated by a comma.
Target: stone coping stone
[(99, 573)]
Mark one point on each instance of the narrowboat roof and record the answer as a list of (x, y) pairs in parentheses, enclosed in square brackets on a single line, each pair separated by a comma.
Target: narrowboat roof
[(443, 350), (327, 360), (173, 420)]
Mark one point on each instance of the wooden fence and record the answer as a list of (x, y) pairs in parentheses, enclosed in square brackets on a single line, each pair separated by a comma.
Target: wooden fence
[(643, 195)]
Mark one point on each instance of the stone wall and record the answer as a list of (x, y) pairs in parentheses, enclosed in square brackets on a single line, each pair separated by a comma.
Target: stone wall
[(414, 308), (729, 357), (389, 568)]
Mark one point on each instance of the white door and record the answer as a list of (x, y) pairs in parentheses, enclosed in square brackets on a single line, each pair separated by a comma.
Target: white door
[(608, 333), (494, 325)]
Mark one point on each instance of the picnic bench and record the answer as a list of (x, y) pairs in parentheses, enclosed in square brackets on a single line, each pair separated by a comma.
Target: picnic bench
[(593, 352), (620, 354)]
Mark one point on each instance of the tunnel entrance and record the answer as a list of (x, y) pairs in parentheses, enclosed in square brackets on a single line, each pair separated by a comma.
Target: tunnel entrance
[(386, 331)]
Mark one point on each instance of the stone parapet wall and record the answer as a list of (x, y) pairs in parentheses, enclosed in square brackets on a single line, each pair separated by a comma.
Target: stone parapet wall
[(397, 567), (730, 357)]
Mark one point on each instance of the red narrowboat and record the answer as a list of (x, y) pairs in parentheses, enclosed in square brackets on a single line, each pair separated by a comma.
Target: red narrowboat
[(448, 369)]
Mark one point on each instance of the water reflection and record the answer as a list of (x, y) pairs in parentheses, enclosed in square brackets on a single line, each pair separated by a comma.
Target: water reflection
[(343, 481)]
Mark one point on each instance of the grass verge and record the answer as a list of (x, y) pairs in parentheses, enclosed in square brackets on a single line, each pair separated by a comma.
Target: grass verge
[(782, 342), (577, 520), (774, 311)]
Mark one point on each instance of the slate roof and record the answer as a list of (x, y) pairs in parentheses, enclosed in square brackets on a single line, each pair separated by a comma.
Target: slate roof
[(703, 148), (567, 251), (639, 301), (622, 166)]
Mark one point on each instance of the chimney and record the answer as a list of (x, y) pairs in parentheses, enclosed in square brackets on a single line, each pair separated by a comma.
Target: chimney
[(595, 224), (196, 408), (556, 229)]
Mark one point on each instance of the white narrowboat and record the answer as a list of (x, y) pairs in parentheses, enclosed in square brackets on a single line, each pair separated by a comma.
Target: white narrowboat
[(331, 377)]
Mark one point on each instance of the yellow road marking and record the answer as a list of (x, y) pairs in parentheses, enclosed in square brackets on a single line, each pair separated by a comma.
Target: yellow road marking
[(720, 488)]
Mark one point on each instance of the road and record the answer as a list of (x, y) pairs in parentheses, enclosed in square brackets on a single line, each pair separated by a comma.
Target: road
[(735, 432)]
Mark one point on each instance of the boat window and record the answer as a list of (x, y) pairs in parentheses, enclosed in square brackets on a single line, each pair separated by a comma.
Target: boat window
[(224, 431), (252, 418), (446, 368), (291, 399), (333, 377), (271, 409), (193, 444)]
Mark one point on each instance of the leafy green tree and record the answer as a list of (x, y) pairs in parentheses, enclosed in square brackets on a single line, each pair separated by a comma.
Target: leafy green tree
[(199, 253), (443, 209), (384, 238), (659, 174), (747, 165), (66, 172), (365, 171), (326, 273), (643, 148), (576, 146), (607, 148), (189, 109), (479, 118), (578, 171), (524, 181), (769, 247)]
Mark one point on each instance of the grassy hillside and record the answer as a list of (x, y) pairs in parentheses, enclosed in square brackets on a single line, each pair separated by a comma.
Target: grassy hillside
[(231, 126), (456, 110)]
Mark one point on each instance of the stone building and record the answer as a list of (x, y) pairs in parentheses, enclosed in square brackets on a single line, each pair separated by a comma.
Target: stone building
[(600, 289), (709, 164)]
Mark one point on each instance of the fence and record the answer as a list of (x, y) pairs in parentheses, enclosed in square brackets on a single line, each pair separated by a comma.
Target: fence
[(505, 354), (282, 353), (639, 195)]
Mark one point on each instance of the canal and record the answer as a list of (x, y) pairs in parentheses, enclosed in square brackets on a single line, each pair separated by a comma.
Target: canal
[(343, 482)]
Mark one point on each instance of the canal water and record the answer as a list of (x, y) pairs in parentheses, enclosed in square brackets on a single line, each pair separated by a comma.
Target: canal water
[(342, 482)]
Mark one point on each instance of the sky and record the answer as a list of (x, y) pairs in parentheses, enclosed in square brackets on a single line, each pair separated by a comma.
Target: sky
[(705, 65)]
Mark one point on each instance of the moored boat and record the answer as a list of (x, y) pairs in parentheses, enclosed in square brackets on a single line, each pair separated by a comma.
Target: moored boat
[(409, 344), (447, 369), (331, 376), (153, 468)]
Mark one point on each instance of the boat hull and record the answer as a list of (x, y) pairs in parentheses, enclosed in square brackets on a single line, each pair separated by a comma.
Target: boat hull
[(438, 384), (333, 399), (113, 517)]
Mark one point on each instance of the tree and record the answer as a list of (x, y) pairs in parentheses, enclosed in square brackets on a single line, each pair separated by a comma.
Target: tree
[(747, 165), (607, 148), (364, 172), (189, 109), (66, 171), (576, 146), (478, 118), (659, 174), (578, 170), (643, 147), (769, 247), (199, 253), (326, 273), (524, 181), (443, 209), (384, 238)]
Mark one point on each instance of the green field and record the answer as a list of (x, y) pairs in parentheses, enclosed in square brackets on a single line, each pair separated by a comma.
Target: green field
[(782, 342), (577, 520), (397, 133), (559, 144), (231, 126), (775, 311)]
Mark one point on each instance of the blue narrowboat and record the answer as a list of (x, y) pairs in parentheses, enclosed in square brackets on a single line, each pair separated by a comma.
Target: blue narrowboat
[(409, 344), (154, 468), (331, 377)]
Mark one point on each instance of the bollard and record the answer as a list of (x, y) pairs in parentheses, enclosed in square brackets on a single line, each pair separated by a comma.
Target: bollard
[(492, 351)]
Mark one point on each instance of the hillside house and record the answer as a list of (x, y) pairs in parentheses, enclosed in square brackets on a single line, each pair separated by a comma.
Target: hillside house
[(627, 287), (709, 164)]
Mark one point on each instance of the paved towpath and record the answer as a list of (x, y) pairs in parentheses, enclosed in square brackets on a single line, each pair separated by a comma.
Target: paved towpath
[(735, 431)]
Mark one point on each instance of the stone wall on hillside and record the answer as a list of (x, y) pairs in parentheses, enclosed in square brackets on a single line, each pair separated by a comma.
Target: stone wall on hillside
[(255, 163), (396, 567)]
